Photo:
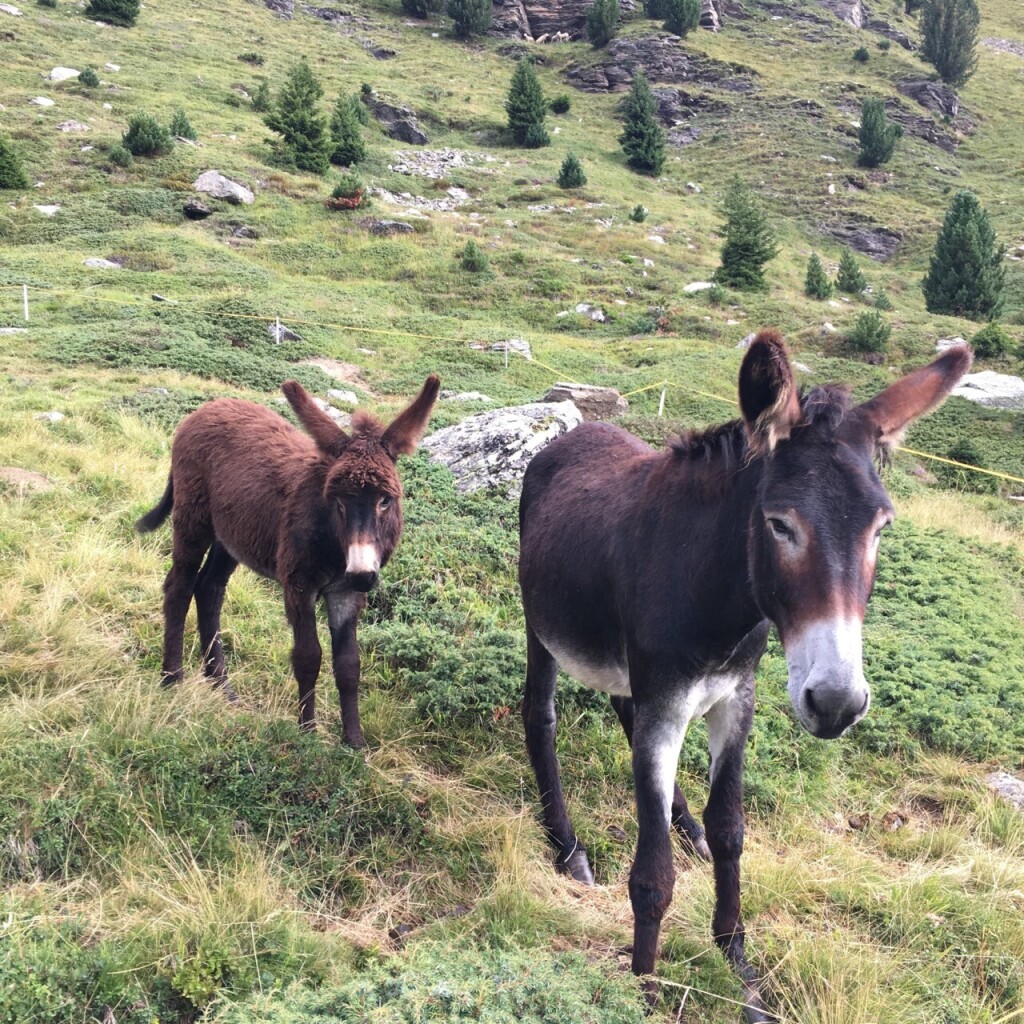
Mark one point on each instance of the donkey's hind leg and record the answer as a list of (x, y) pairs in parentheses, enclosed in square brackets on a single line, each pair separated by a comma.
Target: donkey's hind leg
[(688, 828), (539, 719), (210, 588), (189, 546)]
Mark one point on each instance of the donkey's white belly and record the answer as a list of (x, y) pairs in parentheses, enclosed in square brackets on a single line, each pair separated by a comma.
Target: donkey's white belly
[(609, 678)]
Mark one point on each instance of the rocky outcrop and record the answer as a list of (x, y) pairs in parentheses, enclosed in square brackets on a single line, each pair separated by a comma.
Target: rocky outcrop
[(883, 28), (1009, 787), (398, 122), (662, 60), (866, 237), (995, 390), (493, 449), (215, 184), (850, 11), (934, 96), (712, 14), (282, 8), (594, 403)]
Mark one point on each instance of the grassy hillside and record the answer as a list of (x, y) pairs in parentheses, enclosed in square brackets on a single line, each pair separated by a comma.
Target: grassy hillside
[(167, 858)]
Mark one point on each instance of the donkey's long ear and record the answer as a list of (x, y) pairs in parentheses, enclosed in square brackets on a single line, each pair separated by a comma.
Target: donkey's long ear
[(408, 426), (329, 437), (893, 410), (768, 396)]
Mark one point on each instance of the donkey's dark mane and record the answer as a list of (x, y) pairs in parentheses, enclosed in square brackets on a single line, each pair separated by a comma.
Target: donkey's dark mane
[(725, 445)]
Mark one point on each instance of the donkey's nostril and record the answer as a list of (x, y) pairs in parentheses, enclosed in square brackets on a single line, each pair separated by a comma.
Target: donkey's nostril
[(362, 581), (809, 701)]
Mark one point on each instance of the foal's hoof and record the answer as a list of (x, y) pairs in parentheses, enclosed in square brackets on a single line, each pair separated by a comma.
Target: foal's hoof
[(577, 866)]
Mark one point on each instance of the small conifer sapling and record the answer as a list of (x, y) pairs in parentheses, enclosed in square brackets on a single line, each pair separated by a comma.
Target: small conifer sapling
[(571, 174), (850, 278), (470, 17), (346, 135), (297, 118), (681, 16), (12, 171), (526, 108), (181, 127), (602, 22), (749, 241), (877, 135), (817, 285), (642, 139)]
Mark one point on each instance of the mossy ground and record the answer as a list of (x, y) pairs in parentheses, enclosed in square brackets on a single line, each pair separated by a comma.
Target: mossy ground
[(169, 857)]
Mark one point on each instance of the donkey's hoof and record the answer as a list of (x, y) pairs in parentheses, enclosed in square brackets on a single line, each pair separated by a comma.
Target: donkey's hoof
[(355, 740), (577, 866), (170, 678), (226, 690)]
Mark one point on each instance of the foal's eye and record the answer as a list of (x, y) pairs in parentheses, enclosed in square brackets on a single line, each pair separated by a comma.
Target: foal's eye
[(780, 529), (385, 503)]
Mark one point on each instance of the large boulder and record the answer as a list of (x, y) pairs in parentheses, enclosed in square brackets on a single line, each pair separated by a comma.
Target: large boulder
[(850, 11), (593, 402), (215, 184), (494, 448), (934, 96), (398, 122), (996, 390)]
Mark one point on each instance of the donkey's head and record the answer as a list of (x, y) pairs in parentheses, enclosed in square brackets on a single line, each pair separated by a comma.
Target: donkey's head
[(362, 490), (819, 516)]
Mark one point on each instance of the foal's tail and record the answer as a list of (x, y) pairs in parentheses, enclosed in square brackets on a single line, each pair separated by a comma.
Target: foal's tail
[(155, 516)]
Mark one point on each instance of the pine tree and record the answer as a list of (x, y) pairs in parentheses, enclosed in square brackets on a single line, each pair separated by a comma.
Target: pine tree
[(571, 174), (346, 136), (642, 140), (949, 38), (471, 17), (749, 241), (602, 22), (114, 12), (422, 8), (877, 135), (526, 107), (12, 172), (296, 117), (146, 136), (654, 9), (849, 277), (681, 16), (181, 127), (966, 273), (817, 285), (261, 98)]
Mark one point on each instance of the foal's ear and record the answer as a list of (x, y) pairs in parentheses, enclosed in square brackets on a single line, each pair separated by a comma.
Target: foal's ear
[(408, 426), (329, 437), (893, 410), (768, 396)]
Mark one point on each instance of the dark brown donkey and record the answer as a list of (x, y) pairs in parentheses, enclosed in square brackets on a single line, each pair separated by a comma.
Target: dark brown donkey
[(322, 516), (655, 577)]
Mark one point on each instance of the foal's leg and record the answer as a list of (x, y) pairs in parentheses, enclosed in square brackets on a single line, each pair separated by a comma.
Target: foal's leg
[(539, 719), (210, 588), (729, 724), (683, 821), (343, 616), (300, 607), (188, 547), (658, 733)]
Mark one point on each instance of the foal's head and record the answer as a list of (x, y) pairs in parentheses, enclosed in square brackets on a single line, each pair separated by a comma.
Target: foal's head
[(362, 489), (819, 516)]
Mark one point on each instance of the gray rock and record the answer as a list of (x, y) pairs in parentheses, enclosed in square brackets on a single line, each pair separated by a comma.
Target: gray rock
[(328, 14), (398, 122), (62, 74), (53, 416), (698, 286), (996, 390), (50, 210), (465, 396), (245, 231), (386, 227), (11, 10), (73, 126), (341, 418), (96, 263), (850, 11), (42, 101), (593, 312), (278, 332), (340, 395), (1009, 787), (946, 343), (196, 209), (493, 449), (934, 96), (594, 403), (215, 184), (748, 340), (883, 28), (283, 8), (514, 345), (865, 237)]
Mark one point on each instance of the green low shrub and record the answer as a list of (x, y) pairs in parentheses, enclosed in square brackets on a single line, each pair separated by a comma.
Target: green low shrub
[(869, 333), (561, 104), (89, 77), (181, 127), (862, 55), (992, 342), (473, 258), (638, 214), (146, 136), (121, 155), (571, 173), (116, 12)]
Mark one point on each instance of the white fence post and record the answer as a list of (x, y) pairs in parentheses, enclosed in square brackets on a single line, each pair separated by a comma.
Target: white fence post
[(661, 404), (24, 299)]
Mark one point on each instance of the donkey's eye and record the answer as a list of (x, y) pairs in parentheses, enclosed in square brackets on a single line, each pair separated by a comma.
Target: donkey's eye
[(780, 529), (385, 503)]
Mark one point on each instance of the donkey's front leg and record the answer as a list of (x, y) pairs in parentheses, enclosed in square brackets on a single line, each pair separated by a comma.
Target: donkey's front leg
[(658, 731), (343, 616), (300, 607), (729, 724)]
